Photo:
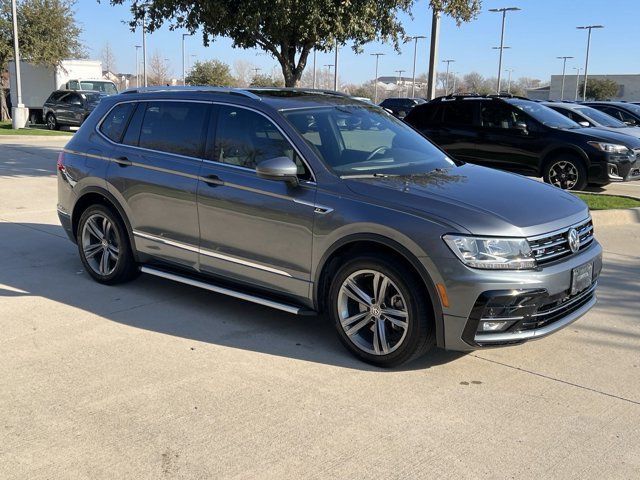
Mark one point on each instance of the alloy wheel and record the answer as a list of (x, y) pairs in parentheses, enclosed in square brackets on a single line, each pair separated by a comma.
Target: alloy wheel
[(373, 312), (51, 122), (564, 175), (100, 244)]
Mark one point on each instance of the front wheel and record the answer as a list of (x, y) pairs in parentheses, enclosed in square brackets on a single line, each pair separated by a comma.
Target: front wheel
[(52, 123), (380, 312), (567, 173)]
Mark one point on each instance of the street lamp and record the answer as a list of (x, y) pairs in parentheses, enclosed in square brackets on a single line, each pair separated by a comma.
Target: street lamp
[(455, 79), (184, 67), (510, 70), (446, 84), (504, 16), (18, 112), (335, 70), (415, 51), (314, 68), (577, 69), (138, 47), (399, 72), (144, 48), (586, 62), (564, 68), (375, 80), (328, 66)]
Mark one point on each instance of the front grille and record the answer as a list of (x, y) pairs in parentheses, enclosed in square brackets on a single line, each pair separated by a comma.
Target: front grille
[(555, 245)]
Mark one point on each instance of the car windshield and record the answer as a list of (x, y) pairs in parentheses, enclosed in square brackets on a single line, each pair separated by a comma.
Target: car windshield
[(92, 97), (544, 115), (632, 108), (360, 140), (600, 117), (98, 86)]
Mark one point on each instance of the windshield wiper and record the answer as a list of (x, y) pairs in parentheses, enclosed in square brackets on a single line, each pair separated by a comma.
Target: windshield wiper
[(368, 175)]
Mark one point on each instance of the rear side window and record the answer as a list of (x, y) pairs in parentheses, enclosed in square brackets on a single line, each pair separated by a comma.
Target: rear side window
[(116, 120), (174, 127), (459, 112), (424, 115)]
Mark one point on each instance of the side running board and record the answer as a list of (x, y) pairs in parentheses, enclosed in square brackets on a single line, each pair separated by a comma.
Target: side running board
[(227, 291)]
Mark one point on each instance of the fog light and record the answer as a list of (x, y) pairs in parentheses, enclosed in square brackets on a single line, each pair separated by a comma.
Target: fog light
[(493, 326)]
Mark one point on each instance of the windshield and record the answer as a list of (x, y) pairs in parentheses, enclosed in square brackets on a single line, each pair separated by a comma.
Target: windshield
[(543, 114), (98, 86), (359, 140), (92, 97), (600, 117)]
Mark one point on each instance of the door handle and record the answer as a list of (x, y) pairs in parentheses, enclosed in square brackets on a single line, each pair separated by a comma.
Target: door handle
[(212, 180), (123, 161)]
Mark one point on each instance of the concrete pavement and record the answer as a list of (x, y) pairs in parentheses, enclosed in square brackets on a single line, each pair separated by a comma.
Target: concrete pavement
[(158, 380)]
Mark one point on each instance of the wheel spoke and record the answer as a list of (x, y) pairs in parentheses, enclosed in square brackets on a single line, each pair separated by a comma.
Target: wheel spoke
[(94, 229), (113, 249), (398, 323), (91, 250), (104, 262), (353, 291), (380, 284), (358, 326), (382, 335), (354, 318)]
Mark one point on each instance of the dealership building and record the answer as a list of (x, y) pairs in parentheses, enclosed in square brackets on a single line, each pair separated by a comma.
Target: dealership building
[(629, 87)]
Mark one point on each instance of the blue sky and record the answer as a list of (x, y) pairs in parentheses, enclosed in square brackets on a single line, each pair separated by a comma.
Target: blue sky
[(543, 30)]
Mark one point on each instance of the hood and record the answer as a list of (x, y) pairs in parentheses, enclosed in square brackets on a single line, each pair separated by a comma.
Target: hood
[(633, 131), (480, 200), (617, 136)]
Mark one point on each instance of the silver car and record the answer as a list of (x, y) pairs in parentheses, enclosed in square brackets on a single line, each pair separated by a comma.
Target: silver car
[(313, 202), (590, 117)]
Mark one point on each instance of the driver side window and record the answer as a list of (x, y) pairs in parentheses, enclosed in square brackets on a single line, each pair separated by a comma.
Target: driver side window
[(497, 115)]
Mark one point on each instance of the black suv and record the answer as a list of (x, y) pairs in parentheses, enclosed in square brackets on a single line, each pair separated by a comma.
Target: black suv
[(628, 113), (516, 134), (69, 107), (401, 106)]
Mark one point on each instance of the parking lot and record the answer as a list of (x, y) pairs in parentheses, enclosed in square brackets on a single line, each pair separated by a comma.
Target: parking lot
[(158, 380)]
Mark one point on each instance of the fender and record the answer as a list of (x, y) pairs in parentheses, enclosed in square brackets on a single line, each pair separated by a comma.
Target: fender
[(398, 248), (549, 150)]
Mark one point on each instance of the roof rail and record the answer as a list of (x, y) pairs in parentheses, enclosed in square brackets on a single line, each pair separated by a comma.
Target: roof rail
[(193, 88), (317, 91), (460, 96)]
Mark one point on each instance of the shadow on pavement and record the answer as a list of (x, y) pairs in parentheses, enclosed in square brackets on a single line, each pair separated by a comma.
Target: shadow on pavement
[(39, 261), (29, 160)]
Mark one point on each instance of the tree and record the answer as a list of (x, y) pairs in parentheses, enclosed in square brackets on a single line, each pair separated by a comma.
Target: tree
[(601, 89), (261, 80), (289, 30), (473, 82), (243, 72), (108, 59), (48, 34), (159, 70), (211, 72)]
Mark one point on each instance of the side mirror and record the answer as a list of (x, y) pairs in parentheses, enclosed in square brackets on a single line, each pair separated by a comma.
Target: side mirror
[(631, 123), (279, 168), (521, 127), (584, 123)]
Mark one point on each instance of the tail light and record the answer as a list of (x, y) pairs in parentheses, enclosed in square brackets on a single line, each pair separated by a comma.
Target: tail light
[(60, 163)]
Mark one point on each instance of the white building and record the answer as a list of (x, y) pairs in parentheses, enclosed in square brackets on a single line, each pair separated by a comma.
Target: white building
[(629, 87)]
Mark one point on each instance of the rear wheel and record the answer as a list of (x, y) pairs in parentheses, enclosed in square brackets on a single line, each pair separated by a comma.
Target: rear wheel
[(380, 312), (104, 246), (52, 123), (567, 172)]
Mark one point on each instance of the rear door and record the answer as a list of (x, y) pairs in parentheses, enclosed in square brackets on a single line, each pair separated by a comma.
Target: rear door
[(154, 173), (501, 143), (254, 230)]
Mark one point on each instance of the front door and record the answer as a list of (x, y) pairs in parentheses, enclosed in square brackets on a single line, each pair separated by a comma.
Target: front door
[(254, 230)]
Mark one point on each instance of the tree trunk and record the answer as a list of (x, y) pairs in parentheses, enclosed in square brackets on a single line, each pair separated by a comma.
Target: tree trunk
[(4, 111)]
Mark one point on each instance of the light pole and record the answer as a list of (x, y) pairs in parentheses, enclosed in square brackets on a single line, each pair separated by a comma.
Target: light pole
[(564, 68), (328, 66), (586, 61), (399, 72), (577, 69), (504, 17), (138, 47), (415, 52), (446, 81), (18, 112), (375, 80), (433, 54), (314, 68), (335, 70), (144, 48), (184, 65), (510, 70)]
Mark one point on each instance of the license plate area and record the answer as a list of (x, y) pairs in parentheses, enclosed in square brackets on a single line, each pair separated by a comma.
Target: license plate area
[(581, 278)]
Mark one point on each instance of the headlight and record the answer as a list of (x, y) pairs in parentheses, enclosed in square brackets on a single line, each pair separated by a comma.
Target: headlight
[(492, 253), (611, 148)]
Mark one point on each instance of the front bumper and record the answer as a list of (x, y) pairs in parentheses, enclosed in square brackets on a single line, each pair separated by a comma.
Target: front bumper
[(533, 303), (624, 169)]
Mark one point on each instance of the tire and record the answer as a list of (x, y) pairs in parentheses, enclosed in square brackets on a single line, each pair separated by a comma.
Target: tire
[(52, 123), (93, 245), (567, 172), (359, 323)]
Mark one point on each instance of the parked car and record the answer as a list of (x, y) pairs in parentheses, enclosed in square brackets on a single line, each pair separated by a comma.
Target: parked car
[(292, 199), (628, 113), (69, 107), (527, 137), (590, 117), (401, 106)]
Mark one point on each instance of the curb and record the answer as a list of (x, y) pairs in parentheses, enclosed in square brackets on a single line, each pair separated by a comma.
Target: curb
[(30, 138), (606, 218)]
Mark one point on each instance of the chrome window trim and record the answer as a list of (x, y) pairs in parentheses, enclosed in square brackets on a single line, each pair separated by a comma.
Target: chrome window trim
[(199, 159), (210, 253)]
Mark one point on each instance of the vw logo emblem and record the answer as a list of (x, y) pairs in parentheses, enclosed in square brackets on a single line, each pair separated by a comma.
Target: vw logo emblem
[(574, 240)]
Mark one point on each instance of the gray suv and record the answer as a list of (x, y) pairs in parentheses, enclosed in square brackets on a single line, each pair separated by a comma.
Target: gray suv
[(310, 201), (69, 107)]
